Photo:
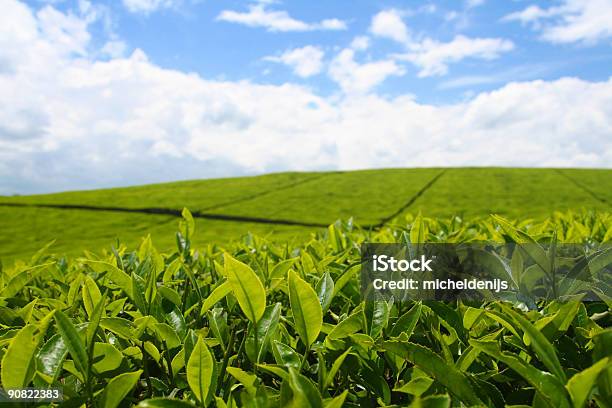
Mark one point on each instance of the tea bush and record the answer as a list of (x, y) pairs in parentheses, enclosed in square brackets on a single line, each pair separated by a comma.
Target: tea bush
[(263, 324)]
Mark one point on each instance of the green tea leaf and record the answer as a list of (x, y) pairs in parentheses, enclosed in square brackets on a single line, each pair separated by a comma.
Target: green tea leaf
[(73, 341), (335, 368), (247, 288), (377, 312), (449, 376), (416, 386), (307, 312), (200, 369), (280, 269), (217, 320), (17, 282), (552, 327), (51, 357), (285, 355), (187, 225), (94, 323), (545, 383), (118, 388), (471, 316), (581, 384), (244, 378), (345, 278), (276, 370), (113, 273), (336, 402), (417, 231), (18, 361), (530, 246), (299, 392), (119, 326), (106, 358), (91, 295), (325, 291), (407, 322), (348, 326), (216, 295), (542, 347), (266, 329), (166, 333)]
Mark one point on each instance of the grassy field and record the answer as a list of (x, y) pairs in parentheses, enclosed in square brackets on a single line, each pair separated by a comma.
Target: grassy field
[(512, 192), (25, 230), (371, 197)]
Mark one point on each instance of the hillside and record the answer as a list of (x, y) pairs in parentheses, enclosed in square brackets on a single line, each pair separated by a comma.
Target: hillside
[(289, 205)]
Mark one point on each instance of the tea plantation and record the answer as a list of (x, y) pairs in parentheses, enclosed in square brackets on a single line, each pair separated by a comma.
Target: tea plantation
[(288, 206), (271, 324), (120, 297)]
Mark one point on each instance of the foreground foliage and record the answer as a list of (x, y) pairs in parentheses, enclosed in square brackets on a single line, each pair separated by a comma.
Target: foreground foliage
[(263, 324)]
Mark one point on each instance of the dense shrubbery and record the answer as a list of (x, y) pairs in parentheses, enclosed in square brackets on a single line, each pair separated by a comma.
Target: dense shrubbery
[(269, 324)]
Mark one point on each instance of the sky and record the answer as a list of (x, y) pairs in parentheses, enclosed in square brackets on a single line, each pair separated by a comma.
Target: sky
[(113, 93)]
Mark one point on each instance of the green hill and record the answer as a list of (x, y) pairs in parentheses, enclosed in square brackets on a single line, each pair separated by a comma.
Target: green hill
[(289, 205)]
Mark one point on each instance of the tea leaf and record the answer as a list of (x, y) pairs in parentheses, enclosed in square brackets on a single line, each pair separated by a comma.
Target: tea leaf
[(325, 291), (200, 370), (407, 322), (18, 361), (540, 344), (307, 313), (246, 379), (546, 383), (91, 295), (581, 384), (73, 341), (453, 379), (118, 388), (217, 294), (297, 391), (247, 288)]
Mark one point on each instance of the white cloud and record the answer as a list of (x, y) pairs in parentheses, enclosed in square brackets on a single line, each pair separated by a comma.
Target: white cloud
[(433, 57), (360, 43), (570, 21), (530, 14), (330, 24), (389, 24), (305, 62), (148, 6), (276, 20), (356, 78), (114, 48), (474, 3), (70, 121)]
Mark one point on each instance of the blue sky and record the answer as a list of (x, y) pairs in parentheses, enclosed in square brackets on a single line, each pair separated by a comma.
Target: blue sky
[(193, 36), (106, 93)]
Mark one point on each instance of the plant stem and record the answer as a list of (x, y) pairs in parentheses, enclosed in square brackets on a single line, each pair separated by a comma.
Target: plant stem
[(305, 357), (240, 349), (146, 371), (168, 363), (226, 356), (256, 337)]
